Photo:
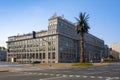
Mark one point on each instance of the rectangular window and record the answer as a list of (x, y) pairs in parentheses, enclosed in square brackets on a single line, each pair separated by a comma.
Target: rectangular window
[(53, 55), (43, 55), (48, 55), (53, 48), (40, 57), (54, 37), (53, 42), (36, 55)]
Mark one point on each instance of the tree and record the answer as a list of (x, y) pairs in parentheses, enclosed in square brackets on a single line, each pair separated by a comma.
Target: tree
[(2, 48), (111, 57), (82, 27)]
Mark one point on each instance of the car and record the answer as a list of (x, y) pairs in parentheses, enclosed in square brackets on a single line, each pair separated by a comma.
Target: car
[(36, 62)]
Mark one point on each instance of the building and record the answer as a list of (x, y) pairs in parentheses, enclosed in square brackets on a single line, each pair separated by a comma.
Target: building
[(106, 51), (3, 54), (115, 51), (58, 44)]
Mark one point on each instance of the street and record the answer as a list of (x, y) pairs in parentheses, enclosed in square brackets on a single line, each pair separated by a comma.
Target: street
[(106, 72)]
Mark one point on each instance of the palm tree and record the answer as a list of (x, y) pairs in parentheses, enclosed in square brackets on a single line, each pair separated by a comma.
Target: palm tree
[(82, 28)]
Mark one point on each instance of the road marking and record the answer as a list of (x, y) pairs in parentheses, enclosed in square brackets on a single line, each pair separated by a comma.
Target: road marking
[(109, 78), (29, 73), (51, 78), (85, 76), (45, 74), (92, 76), (58, 74), (40, 74), (100, 77), (77, 76), (70, 75), (116, 77), (64, 75)]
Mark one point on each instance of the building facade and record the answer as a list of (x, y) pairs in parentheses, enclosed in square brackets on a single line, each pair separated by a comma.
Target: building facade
[(115, 51), (106, 52), (59, 44)]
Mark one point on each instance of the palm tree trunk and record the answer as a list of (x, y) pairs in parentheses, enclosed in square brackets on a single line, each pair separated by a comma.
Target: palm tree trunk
[(82, 48)]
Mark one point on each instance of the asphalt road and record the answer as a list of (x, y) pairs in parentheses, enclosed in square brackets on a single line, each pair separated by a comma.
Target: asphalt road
[(107, 72)]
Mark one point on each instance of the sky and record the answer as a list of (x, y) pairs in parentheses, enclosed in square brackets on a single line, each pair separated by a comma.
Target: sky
[(25, 16)]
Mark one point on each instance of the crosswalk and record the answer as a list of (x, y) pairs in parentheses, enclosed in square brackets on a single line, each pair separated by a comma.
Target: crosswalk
[(52, 75)]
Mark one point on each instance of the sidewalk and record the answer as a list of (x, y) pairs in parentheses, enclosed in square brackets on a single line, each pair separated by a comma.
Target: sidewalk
[(4, 70), (61, 65), (52, 66)]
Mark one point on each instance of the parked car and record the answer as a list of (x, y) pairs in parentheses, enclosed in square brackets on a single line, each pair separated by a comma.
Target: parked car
[(36, 62)]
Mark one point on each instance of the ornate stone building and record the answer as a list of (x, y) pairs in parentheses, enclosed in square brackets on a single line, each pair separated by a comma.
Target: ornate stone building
[(58, 44)]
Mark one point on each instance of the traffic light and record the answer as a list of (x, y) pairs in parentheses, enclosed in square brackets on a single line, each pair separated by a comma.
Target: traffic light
[(34, 34)]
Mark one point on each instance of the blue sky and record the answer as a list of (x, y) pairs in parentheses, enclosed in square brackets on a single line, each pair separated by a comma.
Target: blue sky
[(24, 16)]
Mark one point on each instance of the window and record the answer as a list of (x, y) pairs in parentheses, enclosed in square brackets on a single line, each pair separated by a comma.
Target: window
[(50, 23), (49, 37), (53, 55), (40, 56), (54, 37), (36, 55), (49, 48), (48, 55), (43, 55), (53, 48), (53, 42)]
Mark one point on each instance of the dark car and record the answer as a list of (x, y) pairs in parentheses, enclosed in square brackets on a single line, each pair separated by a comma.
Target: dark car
[(36, 62)]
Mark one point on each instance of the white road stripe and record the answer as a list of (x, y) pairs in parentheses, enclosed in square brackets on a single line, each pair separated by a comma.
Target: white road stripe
[(50, 78), (45, 74), (100, 77), (85, 76), (64, 75), (92, 76), (70, 75), (58, 74), (116, 77), (77, 76), (40, 74), (29, 73)]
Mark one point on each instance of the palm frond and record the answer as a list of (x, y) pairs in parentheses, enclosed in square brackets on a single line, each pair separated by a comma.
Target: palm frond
[(82, 23)]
